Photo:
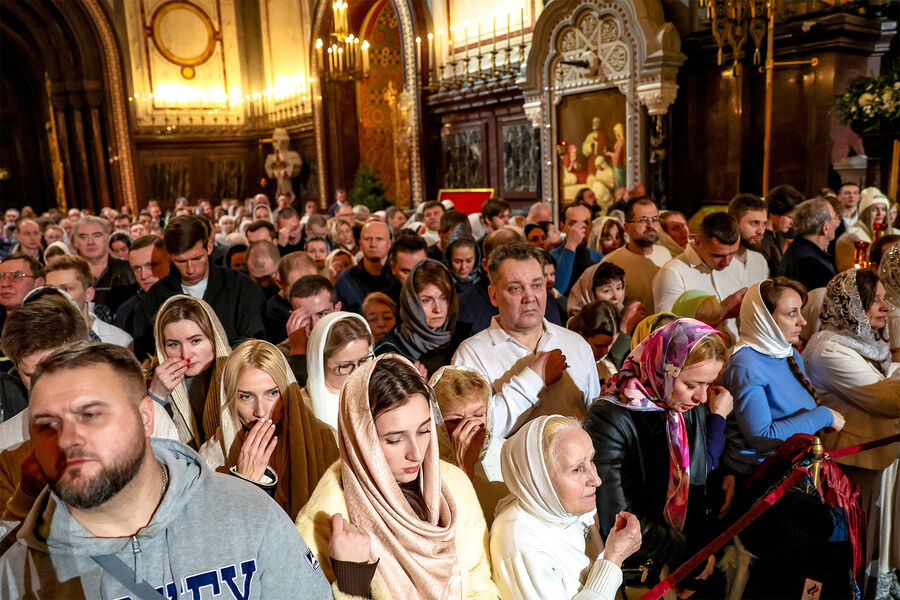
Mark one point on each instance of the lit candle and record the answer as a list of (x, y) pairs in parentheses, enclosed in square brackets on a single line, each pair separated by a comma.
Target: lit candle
[(494, 34), (418, 53), (466, 38), (431, 61), (522, 15), (365, 56), (319, 54)]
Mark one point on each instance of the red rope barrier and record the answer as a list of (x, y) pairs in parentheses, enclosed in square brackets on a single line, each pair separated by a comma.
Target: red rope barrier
[(757, 509), (867, 446)]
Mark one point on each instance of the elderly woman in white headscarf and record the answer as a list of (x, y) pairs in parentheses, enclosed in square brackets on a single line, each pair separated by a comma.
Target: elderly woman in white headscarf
[(338, 344), (267, 435), (545, 541), (874, 208), (849, 364), (463, 416)]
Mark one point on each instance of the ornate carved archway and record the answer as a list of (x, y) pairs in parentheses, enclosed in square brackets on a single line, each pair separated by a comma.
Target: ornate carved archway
[(589, 45)]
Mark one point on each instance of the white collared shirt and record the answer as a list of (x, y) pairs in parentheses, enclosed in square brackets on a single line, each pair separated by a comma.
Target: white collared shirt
[(687, 271), (109, 334), (755, 265), (519, 392)]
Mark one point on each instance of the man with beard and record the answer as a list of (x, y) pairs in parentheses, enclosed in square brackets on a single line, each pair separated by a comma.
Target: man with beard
[(641, 257), (708, 265), (124, 515), (751, 214)]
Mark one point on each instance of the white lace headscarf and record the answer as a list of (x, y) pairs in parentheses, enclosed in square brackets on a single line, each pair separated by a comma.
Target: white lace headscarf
[(844, 320)]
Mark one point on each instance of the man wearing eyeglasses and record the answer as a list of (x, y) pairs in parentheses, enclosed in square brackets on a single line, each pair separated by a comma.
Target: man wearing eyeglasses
[(641, 257), (19, 274)]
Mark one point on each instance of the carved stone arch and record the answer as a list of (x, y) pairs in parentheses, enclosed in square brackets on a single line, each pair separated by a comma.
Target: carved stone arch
[(621, 44), (409, 21)]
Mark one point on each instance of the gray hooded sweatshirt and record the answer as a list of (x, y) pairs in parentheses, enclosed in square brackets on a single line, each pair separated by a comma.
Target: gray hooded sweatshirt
[(213, 536)]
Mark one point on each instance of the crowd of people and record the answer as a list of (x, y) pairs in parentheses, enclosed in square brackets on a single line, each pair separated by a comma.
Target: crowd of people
[(260, 400)]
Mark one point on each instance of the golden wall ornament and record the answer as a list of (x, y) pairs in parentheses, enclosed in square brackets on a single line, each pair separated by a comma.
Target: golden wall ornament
[(187, 63)]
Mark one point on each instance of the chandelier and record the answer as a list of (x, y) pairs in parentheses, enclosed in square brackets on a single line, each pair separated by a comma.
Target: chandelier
[(734, 21), (345, 57)]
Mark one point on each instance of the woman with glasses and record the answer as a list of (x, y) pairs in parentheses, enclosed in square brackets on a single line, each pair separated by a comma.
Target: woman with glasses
[(428, 333), (266, 434), (413, 522), (338, 344)]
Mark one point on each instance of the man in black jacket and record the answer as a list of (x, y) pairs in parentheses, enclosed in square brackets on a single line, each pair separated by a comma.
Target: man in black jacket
[(806, 259), (113, 280), (236, 300)]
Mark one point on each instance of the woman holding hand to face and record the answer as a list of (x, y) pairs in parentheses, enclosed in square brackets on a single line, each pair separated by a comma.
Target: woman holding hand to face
[(267, 434), (462, 414), (656, 440), (546, 541), (393, 496), (191, 348)]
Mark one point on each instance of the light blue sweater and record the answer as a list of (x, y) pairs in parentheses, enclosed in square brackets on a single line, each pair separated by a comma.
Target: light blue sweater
[(770, 405)]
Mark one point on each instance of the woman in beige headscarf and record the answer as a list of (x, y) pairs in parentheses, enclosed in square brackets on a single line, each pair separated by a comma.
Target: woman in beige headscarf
[(191, 348), (267, 435), (420, 514)]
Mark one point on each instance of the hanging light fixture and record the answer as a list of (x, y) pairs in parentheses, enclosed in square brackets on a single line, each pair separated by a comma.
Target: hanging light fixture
[(345, 57), (733, 22)]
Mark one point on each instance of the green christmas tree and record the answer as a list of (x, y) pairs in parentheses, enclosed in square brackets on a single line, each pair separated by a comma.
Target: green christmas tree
[(367, 189)]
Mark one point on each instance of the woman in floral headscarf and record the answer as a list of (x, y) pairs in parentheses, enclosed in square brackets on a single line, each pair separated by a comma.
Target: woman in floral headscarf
[(849, 364), (655, 441)]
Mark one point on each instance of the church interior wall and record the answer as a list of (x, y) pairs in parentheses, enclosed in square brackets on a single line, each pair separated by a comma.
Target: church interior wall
[(464, 111)]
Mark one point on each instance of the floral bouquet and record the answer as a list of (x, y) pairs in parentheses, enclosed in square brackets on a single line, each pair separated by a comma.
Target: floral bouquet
[(872, 104)]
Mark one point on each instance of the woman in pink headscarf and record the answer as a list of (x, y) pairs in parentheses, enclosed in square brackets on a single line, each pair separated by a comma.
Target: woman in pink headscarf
[(658, 429)]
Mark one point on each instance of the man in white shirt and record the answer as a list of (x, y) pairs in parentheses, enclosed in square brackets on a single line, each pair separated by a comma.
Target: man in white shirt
[(707, 264), (526, 359), (641, 257), (72, 274), (752, 215)]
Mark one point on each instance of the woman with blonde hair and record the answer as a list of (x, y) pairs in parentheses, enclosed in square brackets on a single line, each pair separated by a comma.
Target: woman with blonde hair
[(338, 344), (266, 434), (607, 234), (463, 415), (656, 440), (342, 237), (191, 349), (417, 515)]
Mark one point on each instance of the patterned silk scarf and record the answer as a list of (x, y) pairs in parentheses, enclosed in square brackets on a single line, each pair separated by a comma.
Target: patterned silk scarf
[(645, 383)]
